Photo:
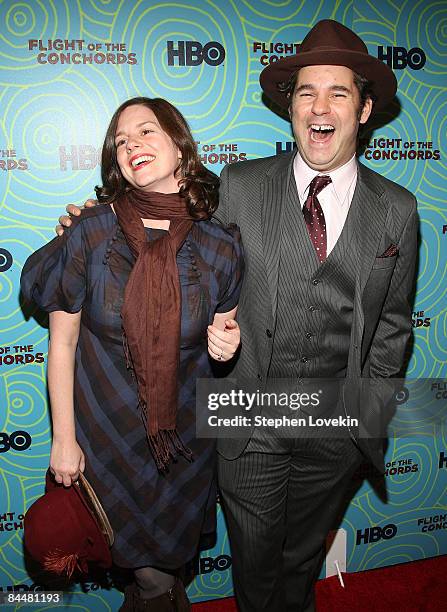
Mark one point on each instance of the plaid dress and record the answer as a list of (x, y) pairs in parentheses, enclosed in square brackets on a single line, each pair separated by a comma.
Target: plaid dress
[(157, 518)]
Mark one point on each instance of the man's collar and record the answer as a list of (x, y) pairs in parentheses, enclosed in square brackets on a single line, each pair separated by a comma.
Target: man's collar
[(341, 177)]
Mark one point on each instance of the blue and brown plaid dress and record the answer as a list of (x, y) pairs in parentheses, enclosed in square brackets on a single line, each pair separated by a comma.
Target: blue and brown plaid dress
[(157, 519)]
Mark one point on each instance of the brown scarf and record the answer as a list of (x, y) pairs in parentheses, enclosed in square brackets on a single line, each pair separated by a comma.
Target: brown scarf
[(151, 314)]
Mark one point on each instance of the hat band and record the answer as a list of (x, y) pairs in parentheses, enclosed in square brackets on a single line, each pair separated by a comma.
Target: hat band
[(331, 49)]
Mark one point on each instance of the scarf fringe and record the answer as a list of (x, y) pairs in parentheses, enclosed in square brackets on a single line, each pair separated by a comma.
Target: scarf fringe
[(61, 564), (165, 445)]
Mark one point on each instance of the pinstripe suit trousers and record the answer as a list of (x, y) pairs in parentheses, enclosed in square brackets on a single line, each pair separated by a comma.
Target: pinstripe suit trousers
[(281, 498)]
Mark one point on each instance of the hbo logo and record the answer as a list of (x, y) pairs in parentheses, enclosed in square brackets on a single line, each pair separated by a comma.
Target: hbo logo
[(205, 565), (18, 441), (399, 58), (374, 534), (5, 260), (192, 53)]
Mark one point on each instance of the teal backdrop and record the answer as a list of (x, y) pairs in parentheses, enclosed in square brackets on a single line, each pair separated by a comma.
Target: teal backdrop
[(65, 65)]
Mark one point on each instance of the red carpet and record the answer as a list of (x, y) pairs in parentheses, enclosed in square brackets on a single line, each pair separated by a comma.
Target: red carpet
[(420, 586)]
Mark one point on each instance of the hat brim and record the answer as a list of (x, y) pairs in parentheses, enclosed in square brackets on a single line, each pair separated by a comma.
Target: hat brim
[(90, 499), (383, 81)]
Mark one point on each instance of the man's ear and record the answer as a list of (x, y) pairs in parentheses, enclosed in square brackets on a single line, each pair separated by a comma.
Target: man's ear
[(366, 111)]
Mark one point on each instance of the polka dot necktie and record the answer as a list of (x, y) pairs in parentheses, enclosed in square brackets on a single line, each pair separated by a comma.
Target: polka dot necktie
[(314, 216)]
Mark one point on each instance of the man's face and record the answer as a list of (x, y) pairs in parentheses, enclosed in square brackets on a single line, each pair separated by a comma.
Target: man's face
[(325, 114)]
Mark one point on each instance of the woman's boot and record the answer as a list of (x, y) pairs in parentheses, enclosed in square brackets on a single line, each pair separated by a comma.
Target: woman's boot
[(174, 600)]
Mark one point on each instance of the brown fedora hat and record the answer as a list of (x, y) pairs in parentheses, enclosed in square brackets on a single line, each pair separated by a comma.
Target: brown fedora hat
[(331, 43)]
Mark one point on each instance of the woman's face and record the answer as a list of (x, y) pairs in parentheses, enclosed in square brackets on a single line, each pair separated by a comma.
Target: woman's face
[(146, 155)]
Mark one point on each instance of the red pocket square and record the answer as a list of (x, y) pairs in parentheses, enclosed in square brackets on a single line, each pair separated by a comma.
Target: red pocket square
[(391, 251)]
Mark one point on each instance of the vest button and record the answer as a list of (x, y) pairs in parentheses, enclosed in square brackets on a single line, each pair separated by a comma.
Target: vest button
[(312, 308), (309, 335), (269, 333), (304, 359), (315, 281)]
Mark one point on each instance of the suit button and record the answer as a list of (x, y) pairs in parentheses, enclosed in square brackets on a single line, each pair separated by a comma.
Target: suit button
[(304, 359), (315, 281), (309, 335), (312, 308), (269, 333)]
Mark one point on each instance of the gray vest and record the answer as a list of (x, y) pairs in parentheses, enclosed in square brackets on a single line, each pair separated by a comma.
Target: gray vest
[(315, 300)]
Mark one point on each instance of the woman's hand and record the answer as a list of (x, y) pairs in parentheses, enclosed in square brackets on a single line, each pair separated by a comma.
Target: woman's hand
[(74, 211), (223, 343), (66, 461)]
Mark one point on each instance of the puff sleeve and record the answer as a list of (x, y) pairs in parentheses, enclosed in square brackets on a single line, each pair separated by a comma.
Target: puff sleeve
[(54, 277), (234, 272)]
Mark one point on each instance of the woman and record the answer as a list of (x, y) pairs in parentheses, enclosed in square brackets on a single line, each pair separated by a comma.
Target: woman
[(148, 269)]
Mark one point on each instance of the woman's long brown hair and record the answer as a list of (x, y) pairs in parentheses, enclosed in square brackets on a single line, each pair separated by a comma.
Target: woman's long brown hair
[(198, 185)]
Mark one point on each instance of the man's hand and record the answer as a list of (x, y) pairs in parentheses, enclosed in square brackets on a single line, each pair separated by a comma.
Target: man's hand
[(74, 211)]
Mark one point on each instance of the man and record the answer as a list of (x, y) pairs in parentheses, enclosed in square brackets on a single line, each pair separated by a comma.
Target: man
[(326, 294), (329, 273)]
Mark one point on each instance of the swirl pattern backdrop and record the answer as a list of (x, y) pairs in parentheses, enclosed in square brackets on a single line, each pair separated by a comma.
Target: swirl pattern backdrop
[(64, 68)]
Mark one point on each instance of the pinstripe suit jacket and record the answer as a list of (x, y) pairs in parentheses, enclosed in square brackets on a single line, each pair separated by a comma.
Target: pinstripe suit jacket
[(252, 194)]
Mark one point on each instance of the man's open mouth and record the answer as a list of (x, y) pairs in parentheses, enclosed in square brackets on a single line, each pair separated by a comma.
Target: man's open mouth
[(321, 133)]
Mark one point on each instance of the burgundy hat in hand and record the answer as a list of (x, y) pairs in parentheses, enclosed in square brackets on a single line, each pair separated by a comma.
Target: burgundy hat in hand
[(66, 529)]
